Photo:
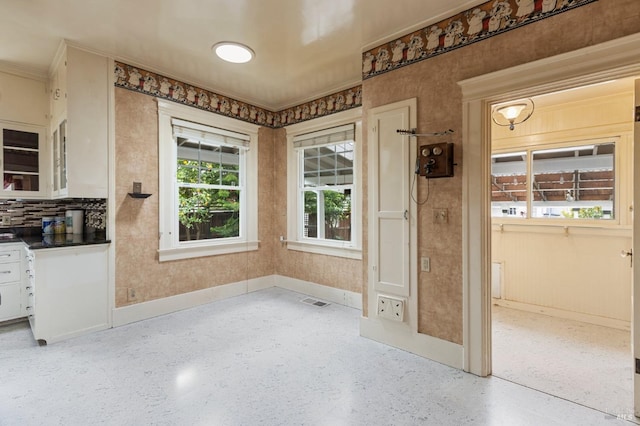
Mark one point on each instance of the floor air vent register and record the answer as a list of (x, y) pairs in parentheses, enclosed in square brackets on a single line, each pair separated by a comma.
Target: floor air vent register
[(315, 302)]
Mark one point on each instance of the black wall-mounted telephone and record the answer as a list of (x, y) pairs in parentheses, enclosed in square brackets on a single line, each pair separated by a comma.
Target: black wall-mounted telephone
[(435, 160)]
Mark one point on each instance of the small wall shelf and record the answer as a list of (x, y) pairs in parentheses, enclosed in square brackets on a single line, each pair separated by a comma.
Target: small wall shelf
[(138, 195)]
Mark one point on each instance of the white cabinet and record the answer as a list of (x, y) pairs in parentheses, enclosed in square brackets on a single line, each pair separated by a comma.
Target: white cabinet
[(69, 294), (79, 124), (21, 160), (12, 292)]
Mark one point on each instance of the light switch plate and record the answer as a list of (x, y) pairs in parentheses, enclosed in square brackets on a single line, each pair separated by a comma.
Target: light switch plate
[(440, 216)]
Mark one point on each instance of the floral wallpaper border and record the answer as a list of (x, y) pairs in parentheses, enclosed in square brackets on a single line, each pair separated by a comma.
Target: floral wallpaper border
[(150, 83), (486, 20)]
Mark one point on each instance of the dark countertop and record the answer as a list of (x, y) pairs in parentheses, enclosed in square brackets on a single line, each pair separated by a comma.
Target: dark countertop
[(34, 239)]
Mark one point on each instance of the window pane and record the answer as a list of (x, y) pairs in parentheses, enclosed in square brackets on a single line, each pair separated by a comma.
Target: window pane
[(337, 215), (329, 209), (509, 185), (204, 163), (310, 214), (187, 171), (208, 213), (574, 183)]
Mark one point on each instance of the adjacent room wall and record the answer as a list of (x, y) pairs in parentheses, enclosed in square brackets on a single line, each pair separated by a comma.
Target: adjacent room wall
[(584, 277), (434, 83)]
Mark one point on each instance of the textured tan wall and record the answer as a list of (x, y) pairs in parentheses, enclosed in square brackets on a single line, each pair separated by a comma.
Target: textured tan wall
[(337, 272), (434, 83), (136, 230)]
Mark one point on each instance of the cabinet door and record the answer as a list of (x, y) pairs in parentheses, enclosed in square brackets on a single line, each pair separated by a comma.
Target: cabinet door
[(21, 159), (55, 142), (62, 152), (10, 306), (59, 165)]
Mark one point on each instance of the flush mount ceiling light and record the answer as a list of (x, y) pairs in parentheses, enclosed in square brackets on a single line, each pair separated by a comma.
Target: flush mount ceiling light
[(236, 53), (512, 113)]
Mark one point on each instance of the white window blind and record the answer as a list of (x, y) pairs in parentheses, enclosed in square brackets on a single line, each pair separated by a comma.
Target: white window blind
[(325, 137), (213, 135)]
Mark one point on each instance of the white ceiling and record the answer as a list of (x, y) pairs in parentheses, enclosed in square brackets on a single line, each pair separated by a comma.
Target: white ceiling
[(304, 48)]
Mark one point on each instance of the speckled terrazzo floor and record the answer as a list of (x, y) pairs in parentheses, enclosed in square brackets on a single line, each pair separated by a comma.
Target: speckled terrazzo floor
[(259, 359), (585, 363)]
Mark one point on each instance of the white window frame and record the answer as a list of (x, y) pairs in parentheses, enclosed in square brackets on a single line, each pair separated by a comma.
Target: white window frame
[(170, 248), (618, 190), (295, 206)]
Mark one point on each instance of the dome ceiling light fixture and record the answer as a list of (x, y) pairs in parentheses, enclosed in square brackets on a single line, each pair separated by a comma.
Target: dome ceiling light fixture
[(233, 52), (512, 113)]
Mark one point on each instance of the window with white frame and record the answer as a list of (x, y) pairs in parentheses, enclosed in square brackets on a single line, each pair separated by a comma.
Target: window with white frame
[(571, 181), (326, 183), (208, 182), (323, 169)]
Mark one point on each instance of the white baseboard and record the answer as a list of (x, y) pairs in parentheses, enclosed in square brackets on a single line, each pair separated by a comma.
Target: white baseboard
[(330, 294), (167, 305), (560, 313), (399, 335)]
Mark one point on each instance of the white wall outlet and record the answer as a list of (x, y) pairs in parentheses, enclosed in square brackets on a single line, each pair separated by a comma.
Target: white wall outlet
[(384, 306), (391, 308), (6, 220), (397, 310), (425, 264)]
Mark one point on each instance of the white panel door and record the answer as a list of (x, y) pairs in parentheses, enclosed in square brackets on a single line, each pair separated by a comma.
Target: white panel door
[(391, 202)]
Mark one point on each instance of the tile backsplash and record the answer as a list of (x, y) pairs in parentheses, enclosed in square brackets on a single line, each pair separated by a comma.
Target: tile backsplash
[(27, 214)]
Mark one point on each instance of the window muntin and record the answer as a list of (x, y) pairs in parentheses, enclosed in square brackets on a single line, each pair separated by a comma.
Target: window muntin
[(209, 190), (570, 182)]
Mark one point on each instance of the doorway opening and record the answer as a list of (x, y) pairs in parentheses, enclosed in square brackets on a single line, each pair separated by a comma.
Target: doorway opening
[(612, 60), (561, 192)]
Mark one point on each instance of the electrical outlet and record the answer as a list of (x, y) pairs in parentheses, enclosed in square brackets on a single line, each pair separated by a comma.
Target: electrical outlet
[(131, 294), (384, 306), (440, 216), (391, 308), (397, 310), (6, 220), (425, 264)]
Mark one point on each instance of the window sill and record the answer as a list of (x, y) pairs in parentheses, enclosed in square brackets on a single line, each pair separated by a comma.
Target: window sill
[(188, 252), (328, 250)]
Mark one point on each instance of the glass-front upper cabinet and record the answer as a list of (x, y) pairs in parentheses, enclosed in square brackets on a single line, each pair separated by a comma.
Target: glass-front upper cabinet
[(59, 145), (21, 156)]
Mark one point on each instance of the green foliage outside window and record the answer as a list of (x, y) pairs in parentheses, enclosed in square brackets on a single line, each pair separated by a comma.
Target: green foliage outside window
[(337, 208), (201, 207)]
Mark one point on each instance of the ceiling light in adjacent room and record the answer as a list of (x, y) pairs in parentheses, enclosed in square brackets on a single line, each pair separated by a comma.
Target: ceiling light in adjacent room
[(233, 52), (512, 113)]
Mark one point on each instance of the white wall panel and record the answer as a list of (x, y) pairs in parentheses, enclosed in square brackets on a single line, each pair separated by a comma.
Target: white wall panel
[(580, 270)]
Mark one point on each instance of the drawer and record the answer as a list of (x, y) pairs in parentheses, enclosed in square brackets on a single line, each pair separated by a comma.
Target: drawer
[(9, 256), (10, 301), (9, 272)]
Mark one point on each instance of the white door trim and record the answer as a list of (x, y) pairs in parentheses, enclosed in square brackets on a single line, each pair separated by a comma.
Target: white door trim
[(611, 60)]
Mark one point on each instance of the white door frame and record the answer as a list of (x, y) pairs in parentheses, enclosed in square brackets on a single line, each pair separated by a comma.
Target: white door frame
[(595, 64)]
